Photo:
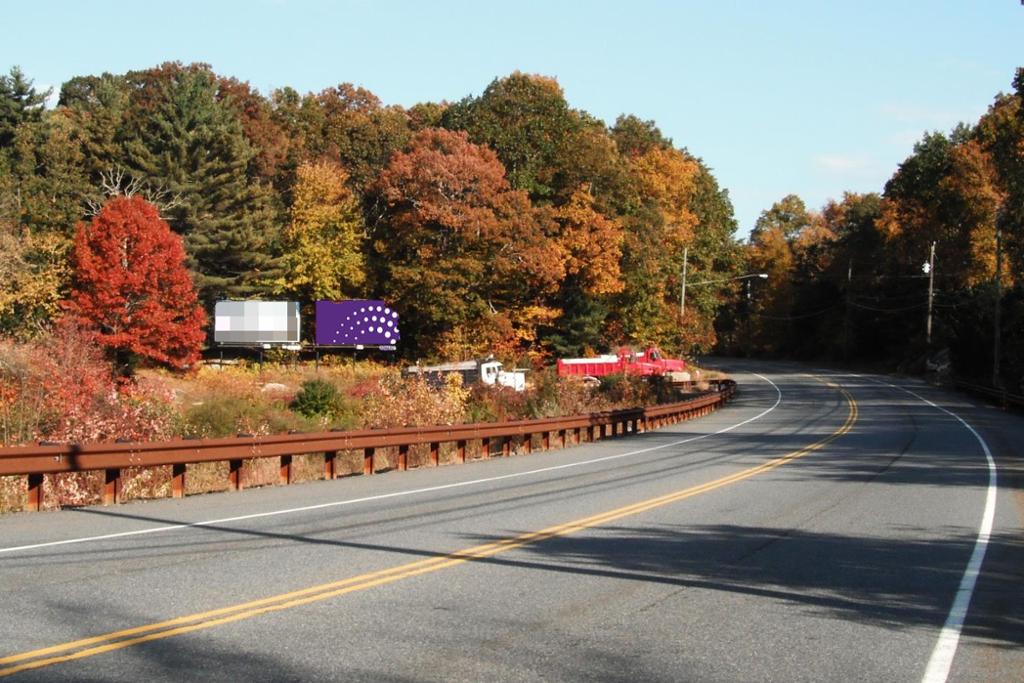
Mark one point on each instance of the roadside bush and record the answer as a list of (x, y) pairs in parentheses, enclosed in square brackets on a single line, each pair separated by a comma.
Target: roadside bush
[(554, 396), (59, 387), (321, 400), (495, 404), (219, 416), (624, 391), (398, 402), (316, 398)]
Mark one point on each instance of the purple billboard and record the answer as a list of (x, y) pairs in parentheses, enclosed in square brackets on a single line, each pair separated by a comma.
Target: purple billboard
[(357, 322)]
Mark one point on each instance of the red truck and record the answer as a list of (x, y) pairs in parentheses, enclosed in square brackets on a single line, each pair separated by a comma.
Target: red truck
[(627, 361)]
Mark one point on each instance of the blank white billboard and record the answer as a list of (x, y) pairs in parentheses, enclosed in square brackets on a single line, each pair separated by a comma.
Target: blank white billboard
[(256, 322)]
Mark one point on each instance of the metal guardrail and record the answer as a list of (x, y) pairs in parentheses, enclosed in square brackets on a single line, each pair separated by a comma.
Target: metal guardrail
[(49, 458), (1005, 398)]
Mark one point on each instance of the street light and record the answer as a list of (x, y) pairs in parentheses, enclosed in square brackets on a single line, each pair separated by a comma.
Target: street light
[(682, 296), (929, 269)]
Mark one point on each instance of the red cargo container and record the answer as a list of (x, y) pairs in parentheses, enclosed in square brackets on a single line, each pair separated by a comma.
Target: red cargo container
[(627, 361)]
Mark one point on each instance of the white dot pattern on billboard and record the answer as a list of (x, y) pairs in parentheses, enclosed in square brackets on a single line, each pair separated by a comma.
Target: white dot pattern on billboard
[(351, 323)]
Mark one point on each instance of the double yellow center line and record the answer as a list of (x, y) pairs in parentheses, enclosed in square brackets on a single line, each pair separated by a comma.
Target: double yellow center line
[(117, 640)]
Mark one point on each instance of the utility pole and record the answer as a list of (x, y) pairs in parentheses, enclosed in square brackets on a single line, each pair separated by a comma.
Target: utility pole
[(682, 293), (931, 294), (846, 318), (997, 331)]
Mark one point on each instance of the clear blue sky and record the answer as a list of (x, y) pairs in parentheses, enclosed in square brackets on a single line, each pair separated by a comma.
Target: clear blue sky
[(812, 97)]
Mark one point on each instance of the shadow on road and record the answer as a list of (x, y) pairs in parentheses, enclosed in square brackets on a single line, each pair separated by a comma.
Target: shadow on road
[(895, 584)]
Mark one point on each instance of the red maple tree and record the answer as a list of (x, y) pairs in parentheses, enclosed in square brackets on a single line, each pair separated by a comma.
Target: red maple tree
[(132, 289)]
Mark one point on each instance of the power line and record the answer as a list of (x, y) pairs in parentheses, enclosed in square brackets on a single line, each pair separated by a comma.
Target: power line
[(797, 316), (889, 310)]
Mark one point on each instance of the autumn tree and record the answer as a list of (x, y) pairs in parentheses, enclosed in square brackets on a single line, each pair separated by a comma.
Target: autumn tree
[(1000, 132), (181, 138), (592, 244), (350, 126), (771, 251), (658, 230), (635, 137), (268, 138), (919, 208), (425, 115), (526, 120), (131, 287), (461, 247), (33, 274), (714, 254), (324, 240)]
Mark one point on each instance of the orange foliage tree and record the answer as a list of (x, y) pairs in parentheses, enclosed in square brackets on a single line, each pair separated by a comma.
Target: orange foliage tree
[(131, 288), (461, 244)]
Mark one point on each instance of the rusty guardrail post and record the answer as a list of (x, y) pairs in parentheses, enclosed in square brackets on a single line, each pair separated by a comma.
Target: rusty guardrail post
[(235, 475), (34, 502), (285, 476), (111, 486), (178, 481)]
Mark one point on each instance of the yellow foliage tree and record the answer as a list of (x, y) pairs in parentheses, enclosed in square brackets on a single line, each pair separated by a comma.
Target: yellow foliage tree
[(974, 181), (592, 244), (324, 256), (669, 177), (33, 273)]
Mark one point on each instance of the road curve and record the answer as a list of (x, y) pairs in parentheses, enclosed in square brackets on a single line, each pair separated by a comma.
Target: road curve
[(821, 527)]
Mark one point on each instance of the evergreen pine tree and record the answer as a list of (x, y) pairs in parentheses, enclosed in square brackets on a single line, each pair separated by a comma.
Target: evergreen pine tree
[(19, 103), (179, 137)]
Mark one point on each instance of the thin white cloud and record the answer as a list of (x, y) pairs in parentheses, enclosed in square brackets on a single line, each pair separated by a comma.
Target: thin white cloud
[(929, 118), (840, 163), (905, 138)]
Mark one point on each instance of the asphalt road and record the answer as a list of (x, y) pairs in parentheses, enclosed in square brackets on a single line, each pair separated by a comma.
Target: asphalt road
[(817, 529)]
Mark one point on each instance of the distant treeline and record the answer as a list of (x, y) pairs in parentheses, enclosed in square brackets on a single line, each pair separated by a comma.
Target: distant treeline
[(848, 282), (507, 223), (512, 223)]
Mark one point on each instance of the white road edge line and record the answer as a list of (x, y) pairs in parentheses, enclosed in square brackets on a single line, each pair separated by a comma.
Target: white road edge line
[(396, 494), (942, 656)]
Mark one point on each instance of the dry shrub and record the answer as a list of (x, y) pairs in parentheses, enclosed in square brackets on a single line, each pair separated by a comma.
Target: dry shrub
[(411, 402), (230, 401), (309, 467), (59, 387), (145, 482), (12, 493), (261, 472), (206, 477), (554, 396), (496, 404)]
